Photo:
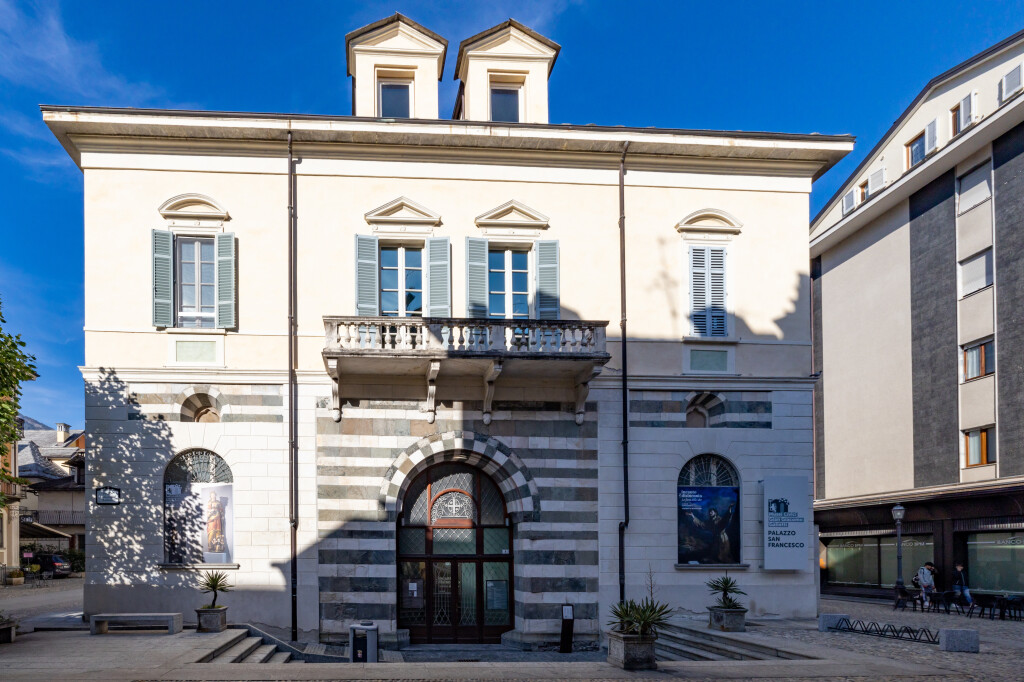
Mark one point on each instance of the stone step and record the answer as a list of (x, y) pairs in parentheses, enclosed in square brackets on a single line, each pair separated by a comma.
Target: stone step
[(723, 651), (217, 644), (727, 649), (261, 654), (668, 650), (736, 641), (239, 651), (281, 657)]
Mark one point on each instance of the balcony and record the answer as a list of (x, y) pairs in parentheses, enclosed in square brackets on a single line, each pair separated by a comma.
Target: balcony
[(12, 491), (359, 350)]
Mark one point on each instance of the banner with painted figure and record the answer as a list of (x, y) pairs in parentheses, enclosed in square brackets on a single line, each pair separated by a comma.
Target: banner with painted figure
[(216, 501), (709, 525)]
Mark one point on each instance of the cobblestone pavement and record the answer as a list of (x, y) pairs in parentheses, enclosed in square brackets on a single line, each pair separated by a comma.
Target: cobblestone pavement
[(1002, 642)]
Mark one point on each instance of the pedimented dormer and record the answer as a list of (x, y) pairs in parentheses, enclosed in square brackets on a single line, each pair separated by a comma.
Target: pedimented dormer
[(504, 72), (395, 64)]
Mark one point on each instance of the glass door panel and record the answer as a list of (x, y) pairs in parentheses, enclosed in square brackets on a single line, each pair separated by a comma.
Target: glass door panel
[(441, 623), (467, 594), (497, 593)]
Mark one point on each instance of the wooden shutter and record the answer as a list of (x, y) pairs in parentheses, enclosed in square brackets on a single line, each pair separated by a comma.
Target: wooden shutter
[(849, 201), (367, 272), (876, 181), (931, 136), (438, 296), (476, 277), (163, 278), (716, 270), (548, 306), (224, 246), (699, 290)]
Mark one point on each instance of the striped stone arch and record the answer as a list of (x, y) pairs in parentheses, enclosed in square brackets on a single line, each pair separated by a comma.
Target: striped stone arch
[(704, 400), (475, 449), (195, 398)]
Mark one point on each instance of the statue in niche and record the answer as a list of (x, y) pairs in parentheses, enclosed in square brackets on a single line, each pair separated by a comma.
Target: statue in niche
[(215, 541)]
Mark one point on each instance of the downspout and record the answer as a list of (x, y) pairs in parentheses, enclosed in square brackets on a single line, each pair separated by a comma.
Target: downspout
[(625, 375), (293, 449)]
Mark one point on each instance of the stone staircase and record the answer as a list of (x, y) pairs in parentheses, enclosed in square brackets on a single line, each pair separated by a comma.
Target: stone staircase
[(238, 646), (695, 642)]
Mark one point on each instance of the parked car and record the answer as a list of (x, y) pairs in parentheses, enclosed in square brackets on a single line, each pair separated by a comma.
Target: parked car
[(54, 564)]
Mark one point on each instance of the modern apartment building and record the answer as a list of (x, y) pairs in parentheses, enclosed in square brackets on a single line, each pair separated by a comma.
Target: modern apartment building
[(364, 363), (918, 296)]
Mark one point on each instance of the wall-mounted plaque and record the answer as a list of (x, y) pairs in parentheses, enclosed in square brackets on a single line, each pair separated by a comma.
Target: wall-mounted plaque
[(108, 495)]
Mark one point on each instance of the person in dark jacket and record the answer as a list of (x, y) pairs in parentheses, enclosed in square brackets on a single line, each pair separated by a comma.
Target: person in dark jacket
[(926, 581), (960, 584)]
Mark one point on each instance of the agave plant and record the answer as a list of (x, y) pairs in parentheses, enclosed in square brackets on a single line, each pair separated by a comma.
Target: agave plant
[(215, 582), (640, 618), (725, 587)]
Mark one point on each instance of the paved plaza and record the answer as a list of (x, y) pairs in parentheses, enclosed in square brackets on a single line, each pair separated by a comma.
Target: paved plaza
[(39, 656)]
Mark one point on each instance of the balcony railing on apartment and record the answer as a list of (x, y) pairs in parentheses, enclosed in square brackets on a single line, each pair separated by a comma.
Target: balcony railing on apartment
[(442, 337)]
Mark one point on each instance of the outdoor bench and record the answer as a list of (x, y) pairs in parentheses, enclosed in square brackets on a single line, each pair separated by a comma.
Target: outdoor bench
[(99, 622)]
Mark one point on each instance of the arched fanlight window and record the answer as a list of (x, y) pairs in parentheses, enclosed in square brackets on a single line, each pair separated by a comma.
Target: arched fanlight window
[(198, 509), (708, 510)]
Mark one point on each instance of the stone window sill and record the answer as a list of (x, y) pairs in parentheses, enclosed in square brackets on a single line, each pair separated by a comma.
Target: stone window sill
[(712, 340), (191, 567), (712, 567), (194, 330)]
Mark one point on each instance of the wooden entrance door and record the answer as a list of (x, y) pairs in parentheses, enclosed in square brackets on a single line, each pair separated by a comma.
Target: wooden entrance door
[(454, 558)]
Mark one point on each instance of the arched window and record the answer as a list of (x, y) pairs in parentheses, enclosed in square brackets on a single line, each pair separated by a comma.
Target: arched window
[(198, 509), (708, 506)]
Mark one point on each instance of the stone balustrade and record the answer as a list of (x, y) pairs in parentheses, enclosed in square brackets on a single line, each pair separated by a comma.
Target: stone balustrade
[(402, 336)]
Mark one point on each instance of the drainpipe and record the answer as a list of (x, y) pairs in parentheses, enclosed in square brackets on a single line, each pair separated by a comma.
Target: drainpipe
[(293, 445), (625, 376)]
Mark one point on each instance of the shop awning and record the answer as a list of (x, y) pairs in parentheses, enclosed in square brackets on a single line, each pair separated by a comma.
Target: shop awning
[(37, 531)]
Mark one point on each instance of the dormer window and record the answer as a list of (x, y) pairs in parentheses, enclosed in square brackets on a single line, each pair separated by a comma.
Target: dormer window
[(505, 102), (395, 97)]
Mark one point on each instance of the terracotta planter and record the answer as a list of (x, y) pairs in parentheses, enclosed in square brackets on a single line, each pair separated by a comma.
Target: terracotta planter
[(727, 620), (631, 652), (212, 620), (16, 581)]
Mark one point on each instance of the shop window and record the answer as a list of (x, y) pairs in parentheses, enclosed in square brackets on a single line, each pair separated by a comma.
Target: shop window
[(994, 562), (198, 509), (871, 561), (708, 511)]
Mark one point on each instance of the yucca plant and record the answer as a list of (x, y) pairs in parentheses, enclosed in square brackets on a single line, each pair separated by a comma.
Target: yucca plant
[(215, 582), (725, 587), (643, 618)]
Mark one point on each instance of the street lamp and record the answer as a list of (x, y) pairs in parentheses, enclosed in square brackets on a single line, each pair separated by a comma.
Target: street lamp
[(897, 514)]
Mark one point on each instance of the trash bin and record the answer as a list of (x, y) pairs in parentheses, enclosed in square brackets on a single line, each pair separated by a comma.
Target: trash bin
[(362, 642)]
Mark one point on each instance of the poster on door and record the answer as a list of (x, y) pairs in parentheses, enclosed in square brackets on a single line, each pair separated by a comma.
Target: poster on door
[(787, 523), (709, 525)]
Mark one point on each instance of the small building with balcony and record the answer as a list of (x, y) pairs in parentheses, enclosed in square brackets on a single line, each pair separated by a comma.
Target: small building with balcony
[(364, 363)]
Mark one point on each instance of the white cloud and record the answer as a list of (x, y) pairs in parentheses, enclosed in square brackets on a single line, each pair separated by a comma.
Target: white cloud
[(36, 52)]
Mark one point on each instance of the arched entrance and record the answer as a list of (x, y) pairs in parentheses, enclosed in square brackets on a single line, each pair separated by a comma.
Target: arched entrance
[(455, 569)]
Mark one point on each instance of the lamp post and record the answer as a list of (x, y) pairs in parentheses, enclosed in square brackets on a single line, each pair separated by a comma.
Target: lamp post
[(897, 514)]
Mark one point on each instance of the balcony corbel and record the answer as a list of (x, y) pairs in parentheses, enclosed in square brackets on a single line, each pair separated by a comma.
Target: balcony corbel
[(583, 390), (433, 369), (335, 392), (490, 376)]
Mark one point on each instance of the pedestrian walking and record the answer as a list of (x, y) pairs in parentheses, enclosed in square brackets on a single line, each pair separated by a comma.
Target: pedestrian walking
[(960, 587), (926, 581)]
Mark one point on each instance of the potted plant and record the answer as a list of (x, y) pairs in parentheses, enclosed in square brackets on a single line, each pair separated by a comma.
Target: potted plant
[(728, 614), (213, 618), (16, 577), (8, 626), (634, 631)]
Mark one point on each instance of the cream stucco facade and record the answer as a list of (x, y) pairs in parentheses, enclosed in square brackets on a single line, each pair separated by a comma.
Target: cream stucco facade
[(528, 405)]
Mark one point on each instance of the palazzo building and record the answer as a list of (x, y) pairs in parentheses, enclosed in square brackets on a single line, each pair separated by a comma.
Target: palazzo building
[(918, 298), (364, 363)]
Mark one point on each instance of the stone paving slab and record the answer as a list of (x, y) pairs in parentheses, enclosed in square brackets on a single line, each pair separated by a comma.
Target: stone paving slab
[(117, 657)]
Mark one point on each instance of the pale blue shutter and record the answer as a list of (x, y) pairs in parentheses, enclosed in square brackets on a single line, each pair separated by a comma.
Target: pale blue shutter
[(476, 277), (716, 270), (699, 290), (439, 278), (163, 278), (547, 280), (367, 272), (225, 249)]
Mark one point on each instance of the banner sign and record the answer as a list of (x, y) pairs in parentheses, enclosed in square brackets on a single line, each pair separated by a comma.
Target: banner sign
[(787, 523), (709, 525)]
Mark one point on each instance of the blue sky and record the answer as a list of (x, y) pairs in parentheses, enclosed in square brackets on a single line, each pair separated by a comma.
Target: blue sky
[(783, 66)]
